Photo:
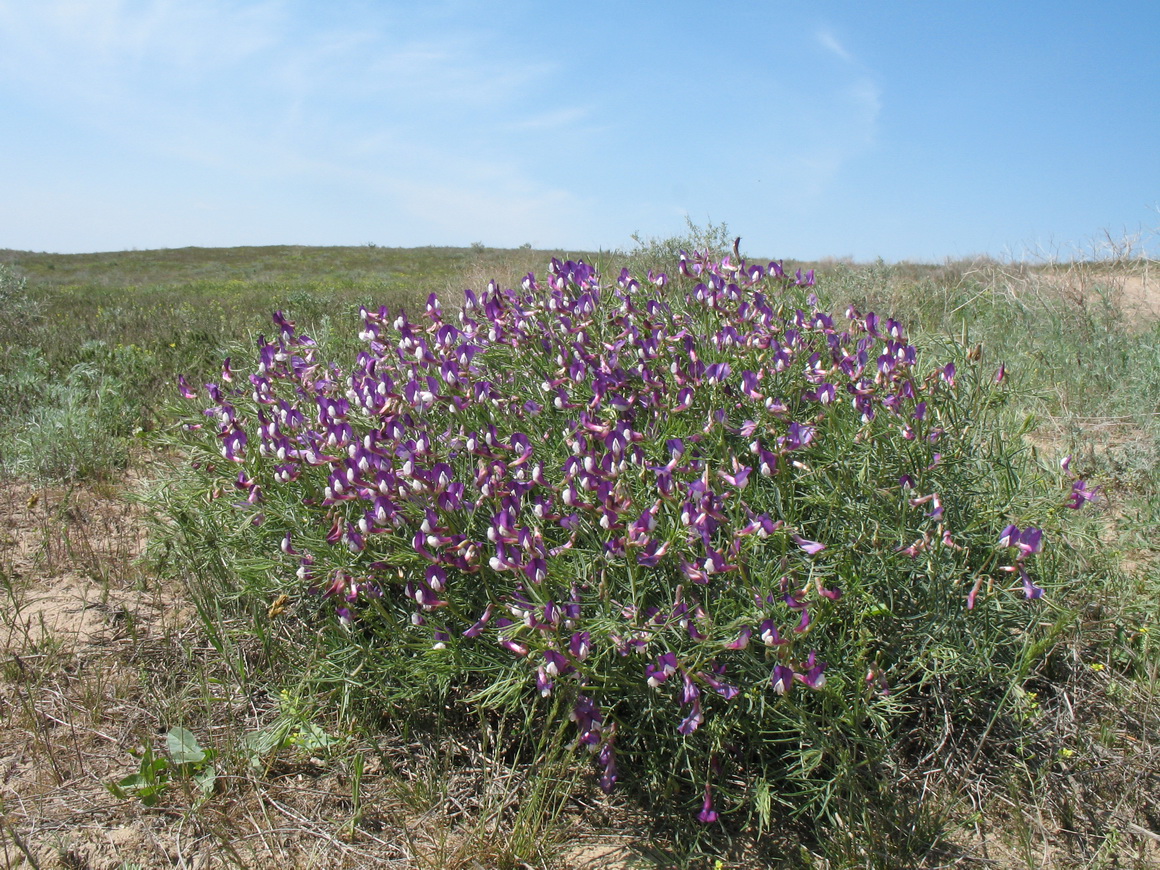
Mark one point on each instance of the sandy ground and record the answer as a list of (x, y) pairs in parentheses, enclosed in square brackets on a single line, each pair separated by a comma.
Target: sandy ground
[(77, 621), (1141, 300)]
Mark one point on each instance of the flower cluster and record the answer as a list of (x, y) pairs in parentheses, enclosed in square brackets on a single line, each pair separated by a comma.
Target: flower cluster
[(609, 483)]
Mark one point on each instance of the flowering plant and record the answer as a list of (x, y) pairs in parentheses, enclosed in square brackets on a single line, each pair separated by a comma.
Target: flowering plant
[(717, 527)]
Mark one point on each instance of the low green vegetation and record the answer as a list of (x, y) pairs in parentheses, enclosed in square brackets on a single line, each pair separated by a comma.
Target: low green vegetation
[(183, 758)]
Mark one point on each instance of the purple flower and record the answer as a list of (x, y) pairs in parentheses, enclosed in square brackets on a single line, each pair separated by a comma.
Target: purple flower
[(556, 664), (664, 668), (693, 721), (645, 523), (233, 444), (708, 815), (694, 573), (740, 476), (768, 462), (825, 394), (514, 647), (1080, 495), (749, 381), (1029, 540), (543, 682), (781, 681), (652, 554), (797, 436), (914, 549), (426, 598), (716, 562), (725, 690), (536, 569), (815, 674), (436, 577), (589, 721), (186, 391), (1029, 588), (610, 772), (833, 594), (768, 633), (742, 639), (717, 372), (477, 629), (804, 623), (812, 548), (936, 506), (761, 525), (689, 691)]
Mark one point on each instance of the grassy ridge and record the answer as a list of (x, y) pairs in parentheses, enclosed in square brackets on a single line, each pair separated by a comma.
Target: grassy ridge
[(291, 265)]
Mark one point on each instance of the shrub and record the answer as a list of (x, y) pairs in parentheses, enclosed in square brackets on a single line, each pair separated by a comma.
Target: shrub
[(18, 308), (730, 545), (648, 252), (72, 425)]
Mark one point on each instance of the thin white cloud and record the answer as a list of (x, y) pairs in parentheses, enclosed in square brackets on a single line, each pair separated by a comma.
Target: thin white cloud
[(251, 91), (458, 69), (552, 120), (830, 43), (842, 122), (98, 53), (118, 39), (511, 215)]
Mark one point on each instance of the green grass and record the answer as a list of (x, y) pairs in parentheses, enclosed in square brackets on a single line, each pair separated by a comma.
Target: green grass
[(280, 265)]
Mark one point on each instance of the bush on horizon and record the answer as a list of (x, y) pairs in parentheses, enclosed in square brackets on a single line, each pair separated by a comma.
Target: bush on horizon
[(732, 546)]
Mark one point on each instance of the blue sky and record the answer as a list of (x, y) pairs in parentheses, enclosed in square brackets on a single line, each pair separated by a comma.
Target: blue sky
[(906, 130)]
